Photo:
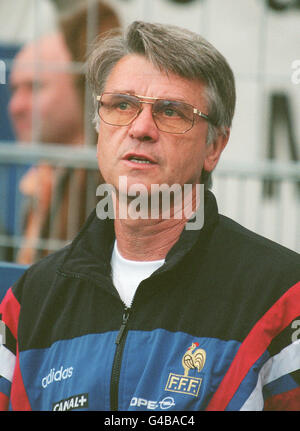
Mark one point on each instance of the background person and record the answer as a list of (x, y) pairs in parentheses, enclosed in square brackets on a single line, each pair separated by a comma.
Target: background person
[(48, 106), (17, 27)]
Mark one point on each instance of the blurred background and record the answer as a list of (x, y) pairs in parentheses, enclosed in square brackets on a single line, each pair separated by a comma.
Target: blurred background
[(48, 167)]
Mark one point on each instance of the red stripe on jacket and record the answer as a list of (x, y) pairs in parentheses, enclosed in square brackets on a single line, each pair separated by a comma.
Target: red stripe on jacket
[(3, 402), (278, 317), (286, 401), (10, 310), (18, 398)]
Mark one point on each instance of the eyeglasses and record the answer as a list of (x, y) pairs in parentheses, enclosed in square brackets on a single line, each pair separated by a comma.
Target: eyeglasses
[(170, 116)]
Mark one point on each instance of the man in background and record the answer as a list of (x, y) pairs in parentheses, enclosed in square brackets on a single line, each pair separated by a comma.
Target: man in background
[(20, 22), (48, 107)]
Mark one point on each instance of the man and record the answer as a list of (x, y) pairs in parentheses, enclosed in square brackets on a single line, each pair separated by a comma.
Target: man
[(47, 106), (15, 31), (144, 313), (46, 89), (40, 81)]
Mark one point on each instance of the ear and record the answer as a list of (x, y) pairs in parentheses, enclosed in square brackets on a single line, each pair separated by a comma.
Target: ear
[(214, 151)]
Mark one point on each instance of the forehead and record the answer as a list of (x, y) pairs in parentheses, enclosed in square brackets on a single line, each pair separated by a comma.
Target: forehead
[(41, 58), (134, 74)]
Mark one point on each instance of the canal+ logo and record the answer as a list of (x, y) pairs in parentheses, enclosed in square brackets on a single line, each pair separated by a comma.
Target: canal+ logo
[(57, 375)]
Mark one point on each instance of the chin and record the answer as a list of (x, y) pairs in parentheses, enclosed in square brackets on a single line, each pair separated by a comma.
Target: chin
[(24, 139)]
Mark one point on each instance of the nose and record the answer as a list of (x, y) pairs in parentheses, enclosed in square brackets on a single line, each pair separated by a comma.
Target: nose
[(20, 102), (143, 127)]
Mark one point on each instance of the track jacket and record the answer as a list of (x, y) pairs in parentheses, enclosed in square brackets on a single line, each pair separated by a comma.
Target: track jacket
[(217, 327)]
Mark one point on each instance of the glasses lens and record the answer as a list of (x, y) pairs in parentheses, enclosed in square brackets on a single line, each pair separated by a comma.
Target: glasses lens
[(118, 109), (173, 116)]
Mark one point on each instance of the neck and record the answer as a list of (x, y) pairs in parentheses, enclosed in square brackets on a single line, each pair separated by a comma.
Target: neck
[(151, 239), (75, 140), (146, 240), (68, 138)]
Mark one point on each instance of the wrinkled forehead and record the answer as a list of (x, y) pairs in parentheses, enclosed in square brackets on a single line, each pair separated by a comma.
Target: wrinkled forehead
[(136, 75)]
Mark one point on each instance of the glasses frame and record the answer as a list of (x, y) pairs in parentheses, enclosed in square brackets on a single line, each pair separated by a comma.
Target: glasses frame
[(151, 100)]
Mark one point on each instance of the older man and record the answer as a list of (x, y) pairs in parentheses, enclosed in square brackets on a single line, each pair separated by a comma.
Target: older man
[(142, 313)]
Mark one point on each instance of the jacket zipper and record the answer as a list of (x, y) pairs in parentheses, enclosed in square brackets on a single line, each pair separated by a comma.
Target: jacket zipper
[(116, 368)]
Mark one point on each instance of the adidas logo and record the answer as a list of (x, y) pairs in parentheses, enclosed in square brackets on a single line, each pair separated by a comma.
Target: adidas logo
[(57, 376)]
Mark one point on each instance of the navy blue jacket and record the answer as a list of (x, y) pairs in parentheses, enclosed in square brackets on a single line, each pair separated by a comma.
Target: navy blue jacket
[(217, 327)]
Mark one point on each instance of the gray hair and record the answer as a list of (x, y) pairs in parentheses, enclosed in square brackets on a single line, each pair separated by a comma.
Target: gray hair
[(175, 50)]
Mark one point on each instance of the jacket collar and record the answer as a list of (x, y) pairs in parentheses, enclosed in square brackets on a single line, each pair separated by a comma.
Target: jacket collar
[(90, 253)]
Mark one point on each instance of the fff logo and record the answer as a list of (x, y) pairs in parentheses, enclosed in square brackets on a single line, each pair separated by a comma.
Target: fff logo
[(2, 72)]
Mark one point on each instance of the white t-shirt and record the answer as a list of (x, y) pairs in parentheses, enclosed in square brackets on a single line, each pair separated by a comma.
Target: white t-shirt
[(127, 274)]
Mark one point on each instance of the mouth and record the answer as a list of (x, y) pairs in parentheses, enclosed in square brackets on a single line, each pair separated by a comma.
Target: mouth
[(139, 159)]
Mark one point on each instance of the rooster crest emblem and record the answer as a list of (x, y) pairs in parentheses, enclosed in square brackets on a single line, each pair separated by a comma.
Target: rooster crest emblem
[(193, 358)]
